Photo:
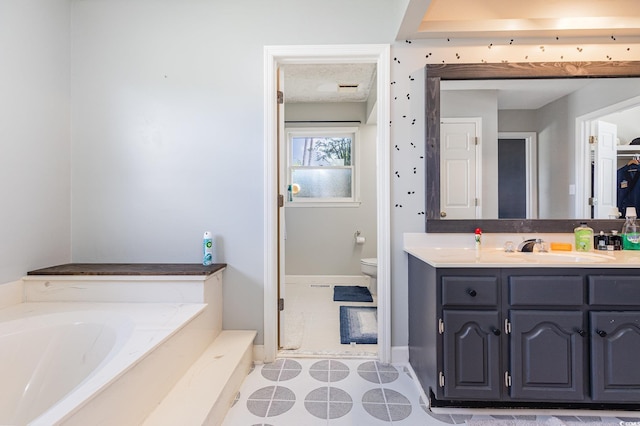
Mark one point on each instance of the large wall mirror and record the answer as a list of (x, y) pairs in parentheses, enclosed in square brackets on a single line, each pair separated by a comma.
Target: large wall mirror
[(528, 147)]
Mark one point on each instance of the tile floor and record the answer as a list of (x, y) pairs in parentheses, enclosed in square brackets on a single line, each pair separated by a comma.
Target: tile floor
[(309, 392), (312, 323), (318, 381)]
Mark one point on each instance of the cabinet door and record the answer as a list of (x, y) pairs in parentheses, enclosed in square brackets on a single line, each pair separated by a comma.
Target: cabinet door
[(547, 355), (471, 354), (615, 345)]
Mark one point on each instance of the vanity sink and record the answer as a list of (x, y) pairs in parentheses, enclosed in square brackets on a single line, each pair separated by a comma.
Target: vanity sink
[(563, 257)]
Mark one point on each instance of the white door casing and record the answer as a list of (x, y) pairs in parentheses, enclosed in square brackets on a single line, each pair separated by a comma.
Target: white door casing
[(273, 57)]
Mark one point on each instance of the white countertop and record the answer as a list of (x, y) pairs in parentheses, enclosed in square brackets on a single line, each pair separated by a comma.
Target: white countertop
[(457, 250), (497, 258)]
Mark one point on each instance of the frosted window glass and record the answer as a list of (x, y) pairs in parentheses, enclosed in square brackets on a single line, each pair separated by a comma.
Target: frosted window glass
[(322, 183)]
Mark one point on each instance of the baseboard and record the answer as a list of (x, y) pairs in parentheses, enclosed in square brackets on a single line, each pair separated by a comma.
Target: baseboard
[(399, 354), (258, 354), (361, 280)]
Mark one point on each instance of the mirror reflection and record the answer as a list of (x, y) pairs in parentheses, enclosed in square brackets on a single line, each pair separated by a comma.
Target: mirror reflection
[(539, 148)]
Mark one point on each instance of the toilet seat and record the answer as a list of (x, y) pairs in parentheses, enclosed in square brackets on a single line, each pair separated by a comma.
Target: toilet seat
[(369, 261)]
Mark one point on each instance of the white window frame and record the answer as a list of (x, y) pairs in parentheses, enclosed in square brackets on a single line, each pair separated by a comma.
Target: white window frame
[(352, 132)]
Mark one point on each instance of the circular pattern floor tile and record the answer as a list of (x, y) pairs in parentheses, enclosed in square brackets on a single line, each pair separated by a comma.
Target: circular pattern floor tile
[(328, 403), (386, 405), (375, 372), (271, 401), (281, 370), (329, 371)]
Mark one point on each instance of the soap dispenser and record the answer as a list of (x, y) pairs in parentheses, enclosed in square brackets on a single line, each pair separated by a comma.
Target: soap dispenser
[(584, 237), (631, 231)]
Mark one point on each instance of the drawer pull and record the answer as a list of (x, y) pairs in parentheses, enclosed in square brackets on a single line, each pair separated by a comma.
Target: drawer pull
[(601, 333), (471, 292)]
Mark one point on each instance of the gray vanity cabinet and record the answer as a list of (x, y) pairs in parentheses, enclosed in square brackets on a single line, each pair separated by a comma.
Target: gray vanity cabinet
[(525, 337), (615, 338), (547, 337), (470, 328)]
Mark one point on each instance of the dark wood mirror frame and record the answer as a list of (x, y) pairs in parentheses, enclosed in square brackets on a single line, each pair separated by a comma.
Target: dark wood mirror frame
[(435, 73)]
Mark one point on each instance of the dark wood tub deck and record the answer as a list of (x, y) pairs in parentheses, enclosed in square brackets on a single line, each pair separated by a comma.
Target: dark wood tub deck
[(130, 269)]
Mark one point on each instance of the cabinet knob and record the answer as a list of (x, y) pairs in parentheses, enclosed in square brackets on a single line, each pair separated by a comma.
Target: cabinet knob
[(471, 292), (495, 331), (581, 332), (601, 333)]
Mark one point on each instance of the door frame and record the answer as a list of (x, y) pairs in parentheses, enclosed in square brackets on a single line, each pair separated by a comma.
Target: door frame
[(531, 148), (309, 54)]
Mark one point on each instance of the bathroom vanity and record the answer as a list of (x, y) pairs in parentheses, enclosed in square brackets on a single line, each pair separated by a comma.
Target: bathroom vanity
[(538, 330)]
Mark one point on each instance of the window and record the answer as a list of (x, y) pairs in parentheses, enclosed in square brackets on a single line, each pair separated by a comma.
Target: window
[(321, 166)]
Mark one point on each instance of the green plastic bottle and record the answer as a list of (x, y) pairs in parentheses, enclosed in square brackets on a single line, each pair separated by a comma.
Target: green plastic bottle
[(584, 237), (630, 231)]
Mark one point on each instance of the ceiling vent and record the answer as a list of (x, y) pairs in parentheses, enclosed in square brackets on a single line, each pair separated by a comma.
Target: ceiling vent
[(347, 88)]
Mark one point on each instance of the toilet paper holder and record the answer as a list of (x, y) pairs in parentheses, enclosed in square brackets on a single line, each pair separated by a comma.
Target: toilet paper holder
[(358, 238)]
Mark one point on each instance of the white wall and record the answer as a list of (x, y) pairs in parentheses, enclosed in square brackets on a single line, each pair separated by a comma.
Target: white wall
[(320, 239), (168, 126), (34, 136)]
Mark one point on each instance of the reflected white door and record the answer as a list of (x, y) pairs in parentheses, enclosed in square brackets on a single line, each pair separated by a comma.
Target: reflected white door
[(604, 168), (459, 188)]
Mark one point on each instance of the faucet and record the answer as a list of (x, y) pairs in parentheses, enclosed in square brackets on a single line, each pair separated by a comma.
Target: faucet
[(530, 244)]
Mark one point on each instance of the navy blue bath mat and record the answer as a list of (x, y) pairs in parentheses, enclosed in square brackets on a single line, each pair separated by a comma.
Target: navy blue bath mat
[(351, 293), (358, 324)]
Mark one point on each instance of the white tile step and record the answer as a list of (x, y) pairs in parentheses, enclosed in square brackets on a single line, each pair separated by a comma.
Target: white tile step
[(205, 393)]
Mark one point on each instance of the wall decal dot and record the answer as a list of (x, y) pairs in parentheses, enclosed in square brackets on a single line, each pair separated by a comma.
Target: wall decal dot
[(490, 44), (404, 116), (398, 205), (411, 192), (628, 49), (422, 157), (411, 78), (448, 39), (397, 149), (557, 38), (419, 213), (511, 41), (579, 49), (613, 38), (408, 41), (408, 96), (414, 171), (397, 174)]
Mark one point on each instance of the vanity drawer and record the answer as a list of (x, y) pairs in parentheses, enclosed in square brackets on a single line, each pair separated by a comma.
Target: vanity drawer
[(614, 290), (546, 290), (472, 291)]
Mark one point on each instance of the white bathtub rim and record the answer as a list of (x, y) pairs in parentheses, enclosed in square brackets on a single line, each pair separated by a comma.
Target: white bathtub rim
[(170, 316)]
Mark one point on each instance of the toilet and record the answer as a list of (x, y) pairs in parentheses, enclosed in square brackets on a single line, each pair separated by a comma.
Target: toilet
[(369, 266)]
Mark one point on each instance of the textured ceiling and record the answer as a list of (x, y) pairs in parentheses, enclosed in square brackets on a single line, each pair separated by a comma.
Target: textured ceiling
[(321, 82)]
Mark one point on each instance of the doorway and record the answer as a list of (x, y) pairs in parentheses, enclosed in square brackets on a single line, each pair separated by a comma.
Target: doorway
[(596, 181), (275, 57)]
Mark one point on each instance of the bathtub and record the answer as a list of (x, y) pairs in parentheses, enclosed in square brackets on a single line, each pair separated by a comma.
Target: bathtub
[(82, 363)]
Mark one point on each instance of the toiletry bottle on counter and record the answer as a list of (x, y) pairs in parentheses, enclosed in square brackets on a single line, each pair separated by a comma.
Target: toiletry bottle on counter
[(601, 241), (207, 249), (584, 237), (630, 231)]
